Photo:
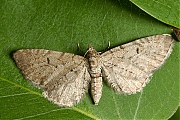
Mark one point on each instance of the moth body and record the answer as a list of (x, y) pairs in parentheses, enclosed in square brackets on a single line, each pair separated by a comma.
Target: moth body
[(94, 60)]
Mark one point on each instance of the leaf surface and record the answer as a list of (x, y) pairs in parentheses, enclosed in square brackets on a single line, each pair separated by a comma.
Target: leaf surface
[(61, 25), (167, 11)]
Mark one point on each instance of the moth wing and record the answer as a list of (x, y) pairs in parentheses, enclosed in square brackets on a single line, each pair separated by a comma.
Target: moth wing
[(63, 76), (127, 68)]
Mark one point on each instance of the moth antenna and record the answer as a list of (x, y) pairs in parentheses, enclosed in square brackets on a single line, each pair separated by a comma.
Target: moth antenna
[(109, 44), (87, 51)]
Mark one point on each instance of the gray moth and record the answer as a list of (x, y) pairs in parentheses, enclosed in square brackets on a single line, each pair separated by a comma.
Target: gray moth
[(66, 77)]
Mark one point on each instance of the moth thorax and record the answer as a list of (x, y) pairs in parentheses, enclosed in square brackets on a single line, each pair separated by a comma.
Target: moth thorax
[(93, 58)]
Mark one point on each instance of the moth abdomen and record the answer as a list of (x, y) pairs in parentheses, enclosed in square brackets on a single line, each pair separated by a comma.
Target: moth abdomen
[(96, 89)]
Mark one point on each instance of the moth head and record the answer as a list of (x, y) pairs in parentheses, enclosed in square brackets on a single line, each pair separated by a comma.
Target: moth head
[(91, 52)]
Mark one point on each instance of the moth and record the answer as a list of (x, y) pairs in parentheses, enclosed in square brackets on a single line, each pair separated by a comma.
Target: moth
[(66, 77)]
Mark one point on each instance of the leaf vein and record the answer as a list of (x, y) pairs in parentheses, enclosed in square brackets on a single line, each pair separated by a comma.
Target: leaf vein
[(36, 93), (86, 113), (15, 84), (116, 106), (137, 108), (14, 95), (32, 116)]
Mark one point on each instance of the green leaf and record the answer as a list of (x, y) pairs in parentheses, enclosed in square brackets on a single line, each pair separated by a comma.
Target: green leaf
[(60, 25), (167, 11)]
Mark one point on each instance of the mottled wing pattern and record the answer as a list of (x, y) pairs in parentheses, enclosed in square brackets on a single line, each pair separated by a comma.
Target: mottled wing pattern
[(127, 68), (63, 76)]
